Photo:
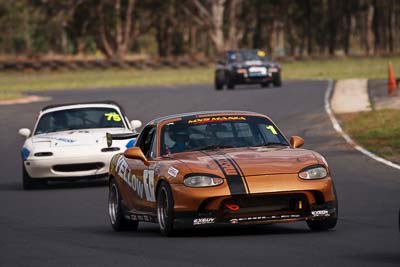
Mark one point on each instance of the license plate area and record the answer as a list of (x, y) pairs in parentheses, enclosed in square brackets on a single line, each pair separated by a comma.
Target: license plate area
[(257, 71)]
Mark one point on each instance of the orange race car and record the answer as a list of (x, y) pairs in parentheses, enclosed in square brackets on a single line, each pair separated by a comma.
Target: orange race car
[(218, 168)]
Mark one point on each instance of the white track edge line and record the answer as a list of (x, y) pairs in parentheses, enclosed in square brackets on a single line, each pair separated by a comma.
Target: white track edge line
[(346, 137)]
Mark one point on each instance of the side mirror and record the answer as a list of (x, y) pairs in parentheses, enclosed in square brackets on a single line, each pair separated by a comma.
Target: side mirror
[(136, 153), (296, 141), (25, 132), (136, 124)]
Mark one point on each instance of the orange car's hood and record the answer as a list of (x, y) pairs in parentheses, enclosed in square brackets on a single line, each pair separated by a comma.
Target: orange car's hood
[(251, 161)]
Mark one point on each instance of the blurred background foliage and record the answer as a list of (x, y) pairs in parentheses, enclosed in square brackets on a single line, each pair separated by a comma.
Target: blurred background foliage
[(117, 29)]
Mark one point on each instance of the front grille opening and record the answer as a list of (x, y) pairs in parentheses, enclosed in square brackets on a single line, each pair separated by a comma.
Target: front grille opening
[(203, 211), (109, 149), (78, 167), (43, 154), (319, 197), (264, 205)]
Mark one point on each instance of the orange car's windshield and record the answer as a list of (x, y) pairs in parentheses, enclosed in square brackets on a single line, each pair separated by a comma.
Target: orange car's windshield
[(215, 132)]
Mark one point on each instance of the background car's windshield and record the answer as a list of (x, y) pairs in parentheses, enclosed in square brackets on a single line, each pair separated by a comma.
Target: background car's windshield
[(80, 118), (247, 55), (219, 131)]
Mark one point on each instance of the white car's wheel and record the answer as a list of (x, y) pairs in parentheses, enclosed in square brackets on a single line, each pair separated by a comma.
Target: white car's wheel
[(27, 182)]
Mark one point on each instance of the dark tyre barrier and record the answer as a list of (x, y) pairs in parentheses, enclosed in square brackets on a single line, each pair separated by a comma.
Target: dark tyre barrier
[(53, 65)]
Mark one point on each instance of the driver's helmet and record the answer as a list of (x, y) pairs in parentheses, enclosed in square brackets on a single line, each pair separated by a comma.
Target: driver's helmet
[(59, 119), (178, 132)]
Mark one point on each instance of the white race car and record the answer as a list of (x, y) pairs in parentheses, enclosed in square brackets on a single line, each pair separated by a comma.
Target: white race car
[(69, 142)]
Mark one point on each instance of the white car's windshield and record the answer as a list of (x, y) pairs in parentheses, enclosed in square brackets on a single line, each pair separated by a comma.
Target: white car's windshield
[(219, 132), (79, 118)]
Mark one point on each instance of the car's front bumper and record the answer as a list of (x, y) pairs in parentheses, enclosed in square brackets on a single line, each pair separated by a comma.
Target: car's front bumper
[(246, 78), (73, 167), (272, 199), (215, 218)]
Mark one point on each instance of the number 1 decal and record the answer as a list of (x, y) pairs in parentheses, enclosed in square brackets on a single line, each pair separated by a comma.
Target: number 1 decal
[(148, 181), (272, 129)]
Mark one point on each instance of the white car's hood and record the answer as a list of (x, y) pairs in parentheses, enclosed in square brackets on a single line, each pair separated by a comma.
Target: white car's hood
[(87, 137)]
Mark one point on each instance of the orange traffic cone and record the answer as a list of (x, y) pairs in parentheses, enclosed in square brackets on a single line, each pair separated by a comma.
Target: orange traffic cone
[(391, 81)]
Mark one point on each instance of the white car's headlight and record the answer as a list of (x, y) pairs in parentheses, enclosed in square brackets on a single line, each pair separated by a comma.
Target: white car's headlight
[(202, 181), (313, 172)]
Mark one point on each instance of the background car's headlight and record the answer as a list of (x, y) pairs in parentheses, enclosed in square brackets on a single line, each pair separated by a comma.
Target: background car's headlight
[(273, 69), (314, 172), (202, 181), (241, 71)]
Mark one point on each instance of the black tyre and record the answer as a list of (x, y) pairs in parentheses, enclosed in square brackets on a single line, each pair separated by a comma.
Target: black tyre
[(230, 84), (27, 182), (325, 224), (165, 209), (115, 210), (322, 225), (277, 82), (219, 83), (264, 85)]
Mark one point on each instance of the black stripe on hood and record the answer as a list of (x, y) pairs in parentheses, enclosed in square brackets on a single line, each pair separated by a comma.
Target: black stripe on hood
[(231, 172)]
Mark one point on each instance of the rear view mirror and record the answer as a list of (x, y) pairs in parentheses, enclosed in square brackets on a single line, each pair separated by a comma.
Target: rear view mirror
[(136, 124), (136, 153), (296, 141), (25, 132)]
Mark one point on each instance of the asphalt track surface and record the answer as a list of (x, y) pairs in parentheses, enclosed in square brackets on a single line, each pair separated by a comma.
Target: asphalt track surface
[(67, 224)]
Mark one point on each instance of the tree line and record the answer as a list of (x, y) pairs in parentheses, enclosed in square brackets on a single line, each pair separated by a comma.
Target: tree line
[(168, 28)]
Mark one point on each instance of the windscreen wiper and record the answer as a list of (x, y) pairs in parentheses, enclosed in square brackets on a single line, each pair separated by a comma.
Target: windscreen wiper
[(270, 144), (211, 147)]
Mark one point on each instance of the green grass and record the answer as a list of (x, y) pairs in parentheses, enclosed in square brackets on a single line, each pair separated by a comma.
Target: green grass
[(9, 95), (13, 84), (377, 131), (371, 68)]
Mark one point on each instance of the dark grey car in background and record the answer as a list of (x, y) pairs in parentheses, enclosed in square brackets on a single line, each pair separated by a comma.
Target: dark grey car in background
[(246, 67)]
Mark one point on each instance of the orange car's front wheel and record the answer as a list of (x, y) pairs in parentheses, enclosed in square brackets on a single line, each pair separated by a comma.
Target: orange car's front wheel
[(165, 209), (115, 211)]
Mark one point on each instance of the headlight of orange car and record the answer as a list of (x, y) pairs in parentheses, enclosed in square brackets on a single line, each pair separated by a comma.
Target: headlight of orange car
[(313, 172), (202, 181)]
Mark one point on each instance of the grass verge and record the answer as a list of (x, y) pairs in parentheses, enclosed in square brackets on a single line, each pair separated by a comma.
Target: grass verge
[(378, 131), (13, 84), (341, 68)]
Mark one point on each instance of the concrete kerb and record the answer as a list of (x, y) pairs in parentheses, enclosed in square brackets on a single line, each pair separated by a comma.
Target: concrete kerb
[(349, 140)]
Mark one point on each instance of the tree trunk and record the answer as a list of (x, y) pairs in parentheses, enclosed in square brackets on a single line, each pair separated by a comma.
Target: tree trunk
[(391, 22), (258, 27), (233, 33), (347, 32), (217, 19), (332, 26), (309, 27), (105, 45), (115, 40), (370, 31)]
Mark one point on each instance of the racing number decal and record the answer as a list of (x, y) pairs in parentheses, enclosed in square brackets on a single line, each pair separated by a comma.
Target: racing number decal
[(272, 129), (148, 181), (112, 116), (126, 174), (261, 53)]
